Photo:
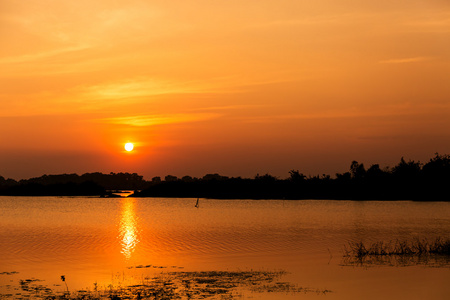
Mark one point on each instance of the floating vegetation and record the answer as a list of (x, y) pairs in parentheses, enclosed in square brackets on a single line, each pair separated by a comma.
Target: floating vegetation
[(27, 289), (201, 284), (175, 285), (287, 288), (399, 253), (152, 266)]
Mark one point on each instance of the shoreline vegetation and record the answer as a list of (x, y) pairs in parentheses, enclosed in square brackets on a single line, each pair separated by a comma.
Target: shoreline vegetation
[(399, 253), (169, 285), (408, 180)]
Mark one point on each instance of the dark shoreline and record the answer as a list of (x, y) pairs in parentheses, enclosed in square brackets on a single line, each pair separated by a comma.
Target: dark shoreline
[(408, 180), (112, 196)]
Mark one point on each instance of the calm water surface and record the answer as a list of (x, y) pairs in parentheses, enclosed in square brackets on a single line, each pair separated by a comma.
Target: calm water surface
[(97, 240)]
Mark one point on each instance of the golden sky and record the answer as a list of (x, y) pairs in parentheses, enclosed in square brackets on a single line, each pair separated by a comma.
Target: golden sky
[(221, 86)]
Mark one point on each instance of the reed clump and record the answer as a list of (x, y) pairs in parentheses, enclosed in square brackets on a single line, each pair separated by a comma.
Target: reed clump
[(434, 253), (439, 246)]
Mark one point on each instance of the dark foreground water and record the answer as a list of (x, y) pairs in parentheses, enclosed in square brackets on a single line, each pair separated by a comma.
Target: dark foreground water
[(121, 241)]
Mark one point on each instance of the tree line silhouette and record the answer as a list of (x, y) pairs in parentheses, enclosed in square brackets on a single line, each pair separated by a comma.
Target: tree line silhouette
[(408, 180), (88, 184)]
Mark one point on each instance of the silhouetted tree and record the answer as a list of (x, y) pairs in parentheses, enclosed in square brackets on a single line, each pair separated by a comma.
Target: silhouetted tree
[(344, 177), (296, 177), (407, 170), (265, 178), (436, 178), (357, 170), (374, 171), (214, 176), (437, 167), (170, 178), (7, 182), (187, 179)]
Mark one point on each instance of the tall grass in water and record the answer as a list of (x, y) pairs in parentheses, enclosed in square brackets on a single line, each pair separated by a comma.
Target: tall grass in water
[(418, 247), (416, 252)]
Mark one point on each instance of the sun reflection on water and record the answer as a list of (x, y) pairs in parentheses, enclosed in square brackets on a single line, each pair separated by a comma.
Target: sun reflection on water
[(128, 234)]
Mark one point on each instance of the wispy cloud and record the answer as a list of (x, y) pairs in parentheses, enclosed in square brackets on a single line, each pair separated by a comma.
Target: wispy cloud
[(41, 55), (145, 86), (317, 20), (153, 120), (404, 60), (227, 107)]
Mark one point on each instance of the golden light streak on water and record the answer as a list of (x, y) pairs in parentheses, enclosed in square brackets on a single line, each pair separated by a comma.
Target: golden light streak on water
[(128, 234)]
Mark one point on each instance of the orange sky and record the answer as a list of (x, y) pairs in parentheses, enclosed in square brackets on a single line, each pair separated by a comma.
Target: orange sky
[(227, 86)]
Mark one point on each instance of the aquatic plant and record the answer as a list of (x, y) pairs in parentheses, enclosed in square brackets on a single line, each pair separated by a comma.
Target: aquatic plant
[(63, 278), (176, 285), (418, 247), (418, 251)]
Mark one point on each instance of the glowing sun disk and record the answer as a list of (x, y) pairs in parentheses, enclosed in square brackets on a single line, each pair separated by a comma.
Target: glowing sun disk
[(129, 146)]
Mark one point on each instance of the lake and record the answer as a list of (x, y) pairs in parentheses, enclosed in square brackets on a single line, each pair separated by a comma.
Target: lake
[(113, 241)]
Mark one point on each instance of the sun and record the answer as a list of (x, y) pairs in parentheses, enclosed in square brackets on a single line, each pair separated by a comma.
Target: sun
[(129, 147)]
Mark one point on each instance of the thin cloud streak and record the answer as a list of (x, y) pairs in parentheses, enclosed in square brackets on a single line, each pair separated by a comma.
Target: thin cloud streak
[(131, 88), (226, 107), (153, 120), (404, 60), (43, 55), (145, 86), (318, 20)]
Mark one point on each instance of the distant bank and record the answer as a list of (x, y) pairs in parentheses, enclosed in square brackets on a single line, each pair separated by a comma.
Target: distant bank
[(408, 180)]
